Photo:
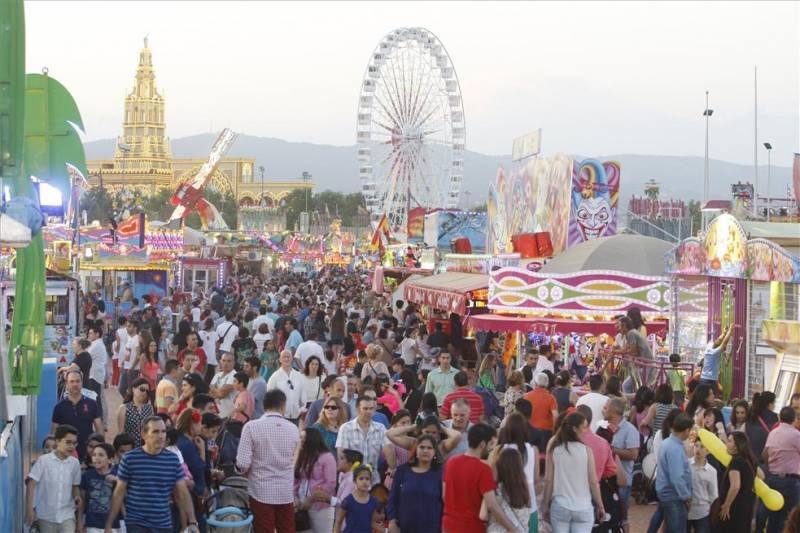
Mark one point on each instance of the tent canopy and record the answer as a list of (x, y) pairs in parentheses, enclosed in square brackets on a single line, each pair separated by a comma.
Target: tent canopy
[(448, 291), (634, 254)]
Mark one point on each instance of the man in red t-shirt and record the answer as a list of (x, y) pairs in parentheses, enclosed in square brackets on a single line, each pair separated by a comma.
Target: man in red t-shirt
[(193, 345), (468, 482)]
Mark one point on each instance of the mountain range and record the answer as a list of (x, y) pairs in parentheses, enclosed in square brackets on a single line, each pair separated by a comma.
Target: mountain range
[(336, 168)]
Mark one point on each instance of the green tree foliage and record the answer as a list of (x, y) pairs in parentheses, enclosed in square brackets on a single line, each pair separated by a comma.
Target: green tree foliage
[(695, 216), (345, 205), (97, 203), (157, 206)]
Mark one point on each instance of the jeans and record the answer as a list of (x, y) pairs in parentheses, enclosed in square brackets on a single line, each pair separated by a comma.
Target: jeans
[(563, 520), (790, 488), (67, 526), (701, 525), (675, 515)]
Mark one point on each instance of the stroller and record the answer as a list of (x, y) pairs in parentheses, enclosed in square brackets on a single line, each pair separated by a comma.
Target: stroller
[(228, 508)]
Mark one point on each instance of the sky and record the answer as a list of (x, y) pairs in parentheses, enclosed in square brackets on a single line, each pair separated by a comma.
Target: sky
[(599, 78)]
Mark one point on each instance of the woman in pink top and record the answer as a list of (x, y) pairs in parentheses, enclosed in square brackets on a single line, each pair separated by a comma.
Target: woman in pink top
[(314, 479), (390, 395), (244, 404), (148, 364)]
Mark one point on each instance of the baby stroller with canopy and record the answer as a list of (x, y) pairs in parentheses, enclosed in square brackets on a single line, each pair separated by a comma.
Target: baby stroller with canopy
[(229, 508)]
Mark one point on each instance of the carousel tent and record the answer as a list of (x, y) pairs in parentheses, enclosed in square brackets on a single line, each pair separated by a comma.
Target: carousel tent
[(633, 254)]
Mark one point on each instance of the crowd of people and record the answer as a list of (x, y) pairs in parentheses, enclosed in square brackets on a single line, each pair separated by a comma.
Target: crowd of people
[(344, 413)]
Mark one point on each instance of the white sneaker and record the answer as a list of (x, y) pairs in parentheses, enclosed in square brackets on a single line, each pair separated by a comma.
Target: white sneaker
[(13, 233)]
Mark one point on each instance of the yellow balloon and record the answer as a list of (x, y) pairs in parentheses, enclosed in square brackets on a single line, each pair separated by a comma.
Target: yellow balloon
[(714, 446), (773, 500)]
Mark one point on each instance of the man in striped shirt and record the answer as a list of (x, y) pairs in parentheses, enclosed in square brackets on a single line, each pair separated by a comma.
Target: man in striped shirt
[(463, 392), (146, 479)]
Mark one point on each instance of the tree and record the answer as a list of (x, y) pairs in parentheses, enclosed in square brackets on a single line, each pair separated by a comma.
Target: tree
[(97, 203), (157, 206), (695, 216)]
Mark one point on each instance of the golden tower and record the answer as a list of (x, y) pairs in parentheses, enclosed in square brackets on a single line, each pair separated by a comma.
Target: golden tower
[(143, 144)]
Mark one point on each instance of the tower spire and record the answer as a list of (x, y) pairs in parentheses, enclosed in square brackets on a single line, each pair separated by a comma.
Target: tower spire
[(143, 143)]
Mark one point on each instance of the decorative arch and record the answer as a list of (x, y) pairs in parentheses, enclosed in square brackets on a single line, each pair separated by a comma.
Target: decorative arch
[(218, 181), (247, 200)]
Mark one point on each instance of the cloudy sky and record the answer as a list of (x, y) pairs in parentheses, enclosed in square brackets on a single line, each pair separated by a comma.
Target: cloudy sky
[(599, 78)]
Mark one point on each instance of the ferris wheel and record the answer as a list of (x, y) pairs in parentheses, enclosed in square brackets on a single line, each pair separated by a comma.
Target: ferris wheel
[(410, 128)]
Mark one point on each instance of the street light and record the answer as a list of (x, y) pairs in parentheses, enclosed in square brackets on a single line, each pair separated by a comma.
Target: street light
[(706, 113), (768, 146), (263, 202)]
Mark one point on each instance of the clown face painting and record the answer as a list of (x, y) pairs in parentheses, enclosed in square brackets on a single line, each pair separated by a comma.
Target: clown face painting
[(592, 217), (594, 193)]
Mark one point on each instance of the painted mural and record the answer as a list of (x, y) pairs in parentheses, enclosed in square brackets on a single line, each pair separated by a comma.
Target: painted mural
[(443, 226), (532, 198), (594, 197)]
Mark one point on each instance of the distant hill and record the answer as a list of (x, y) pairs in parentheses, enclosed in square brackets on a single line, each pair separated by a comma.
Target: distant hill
[(335, 167)]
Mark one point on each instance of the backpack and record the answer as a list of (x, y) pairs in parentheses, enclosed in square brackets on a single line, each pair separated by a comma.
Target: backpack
[(229, 438)]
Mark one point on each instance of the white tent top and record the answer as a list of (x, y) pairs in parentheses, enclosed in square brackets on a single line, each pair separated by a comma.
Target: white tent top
[(634, 254)]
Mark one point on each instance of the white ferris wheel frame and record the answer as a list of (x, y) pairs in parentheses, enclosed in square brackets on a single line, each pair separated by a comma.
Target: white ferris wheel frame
[(410, 129)]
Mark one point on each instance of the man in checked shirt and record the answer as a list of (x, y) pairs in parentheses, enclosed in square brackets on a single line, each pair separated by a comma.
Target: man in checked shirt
[(266, 456)]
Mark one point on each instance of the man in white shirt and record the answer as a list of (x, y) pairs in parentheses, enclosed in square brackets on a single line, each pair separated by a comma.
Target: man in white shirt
[(262, 318), (221, 388), (118, 348), (289, 381), (228, 332), (97, 373), (131, 356), (544, 361), (308, 348), (196, 312), (410, 350), (595, 400)]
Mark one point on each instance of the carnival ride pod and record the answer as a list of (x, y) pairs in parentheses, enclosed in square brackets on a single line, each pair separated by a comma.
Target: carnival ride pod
[(544, 244), (525, 244)]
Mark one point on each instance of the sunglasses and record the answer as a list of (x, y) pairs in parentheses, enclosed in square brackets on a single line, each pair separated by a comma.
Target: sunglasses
[(291, 386), (332, 407), (143, 389)]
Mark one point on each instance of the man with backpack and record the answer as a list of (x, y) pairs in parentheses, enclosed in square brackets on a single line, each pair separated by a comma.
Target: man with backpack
[(228, 331)]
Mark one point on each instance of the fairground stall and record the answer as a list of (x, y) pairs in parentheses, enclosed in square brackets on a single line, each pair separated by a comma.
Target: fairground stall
[(724, 278), (132, 262), (60, 315), (572, 300)]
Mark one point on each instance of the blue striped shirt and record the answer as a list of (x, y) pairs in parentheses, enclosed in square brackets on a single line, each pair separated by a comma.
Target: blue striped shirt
[(150, 480)]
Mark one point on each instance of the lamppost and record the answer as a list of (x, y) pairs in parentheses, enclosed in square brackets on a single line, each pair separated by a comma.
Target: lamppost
[(768, 146), (706, 113), (263, 202)]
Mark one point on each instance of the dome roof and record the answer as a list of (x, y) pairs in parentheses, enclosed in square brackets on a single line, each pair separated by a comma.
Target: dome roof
[(634, 254)]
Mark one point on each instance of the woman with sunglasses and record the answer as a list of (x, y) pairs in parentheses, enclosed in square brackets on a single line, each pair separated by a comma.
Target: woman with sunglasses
[(136, 409), (331, 417)]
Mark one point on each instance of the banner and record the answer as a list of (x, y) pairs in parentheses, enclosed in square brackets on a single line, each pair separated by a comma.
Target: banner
[(416, 225), (595, 194)]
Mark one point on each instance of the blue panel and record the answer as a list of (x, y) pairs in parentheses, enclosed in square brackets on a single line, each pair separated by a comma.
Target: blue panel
[(45, 401), (11, 486)]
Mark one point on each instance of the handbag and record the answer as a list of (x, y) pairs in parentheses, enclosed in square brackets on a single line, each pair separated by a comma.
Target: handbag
[(302, 520)]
